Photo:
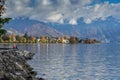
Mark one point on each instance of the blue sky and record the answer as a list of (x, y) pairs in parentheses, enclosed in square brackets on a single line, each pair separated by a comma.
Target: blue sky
[(64, 11), (112, 1)]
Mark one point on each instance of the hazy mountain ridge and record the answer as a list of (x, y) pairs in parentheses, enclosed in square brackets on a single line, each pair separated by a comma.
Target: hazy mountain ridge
[(106, 31), (32, 27), (42, 30)]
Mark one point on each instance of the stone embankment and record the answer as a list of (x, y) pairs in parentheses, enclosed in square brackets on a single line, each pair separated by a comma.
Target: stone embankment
[(14, 66)]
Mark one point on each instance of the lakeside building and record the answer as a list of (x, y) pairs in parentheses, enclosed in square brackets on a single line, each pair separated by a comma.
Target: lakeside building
[(44, 39)]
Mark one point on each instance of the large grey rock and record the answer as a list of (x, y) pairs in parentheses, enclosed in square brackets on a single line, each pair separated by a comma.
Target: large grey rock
[(13, 65)]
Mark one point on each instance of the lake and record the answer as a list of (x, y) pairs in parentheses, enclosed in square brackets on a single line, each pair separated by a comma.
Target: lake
[(75, 61)]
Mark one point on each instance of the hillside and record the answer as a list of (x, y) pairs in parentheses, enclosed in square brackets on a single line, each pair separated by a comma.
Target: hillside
[(105, 31)]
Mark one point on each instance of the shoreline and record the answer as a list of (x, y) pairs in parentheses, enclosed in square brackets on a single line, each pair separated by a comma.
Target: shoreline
[(14, 66)]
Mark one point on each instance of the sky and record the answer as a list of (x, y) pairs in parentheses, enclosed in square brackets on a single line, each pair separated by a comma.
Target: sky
[(63, 11)]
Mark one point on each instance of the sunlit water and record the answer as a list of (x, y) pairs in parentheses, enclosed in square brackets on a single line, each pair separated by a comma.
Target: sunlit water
[(75, 61)]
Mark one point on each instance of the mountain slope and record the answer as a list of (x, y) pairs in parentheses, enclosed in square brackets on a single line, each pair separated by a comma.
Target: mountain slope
[(41, 30), (32, 27), (106, 31)]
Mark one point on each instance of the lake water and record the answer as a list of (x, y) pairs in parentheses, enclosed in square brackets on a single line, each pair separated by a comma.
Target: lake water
[(75, 61)]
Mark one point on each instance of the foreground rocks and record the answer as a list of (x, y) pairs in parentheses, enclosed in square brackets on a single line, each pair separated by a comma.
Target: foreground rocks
[(13, 65)]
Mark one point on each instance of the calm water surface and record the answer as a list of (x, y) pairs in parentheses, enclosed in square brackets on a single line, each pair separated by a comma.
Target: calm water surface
[(75, 62)]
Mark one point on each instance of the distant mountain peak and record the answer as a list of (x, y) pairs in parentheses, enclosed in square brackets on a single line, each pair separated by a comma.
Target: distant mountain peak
[(105, 30)]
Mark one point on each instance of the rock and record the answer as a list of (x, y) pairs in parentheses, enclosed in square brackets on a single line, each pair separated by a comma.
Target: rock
[(14, 66), (41, 79), (2, 73)]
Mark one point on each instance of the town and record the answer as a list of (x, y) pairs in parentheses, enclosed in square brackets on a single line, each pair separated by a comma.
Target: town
[(44, 39)]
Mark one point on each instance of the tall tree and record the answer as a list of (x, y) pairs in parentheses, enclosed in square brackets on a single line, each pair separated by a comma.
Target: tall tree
[(2, 20), (26, 35)]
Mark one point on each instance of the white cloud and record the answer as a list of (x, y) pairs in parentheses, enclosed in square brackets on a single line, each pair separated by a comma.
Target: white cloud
[(55, 17), (61, 10), (87, 21), (73, 22), (46, 2)]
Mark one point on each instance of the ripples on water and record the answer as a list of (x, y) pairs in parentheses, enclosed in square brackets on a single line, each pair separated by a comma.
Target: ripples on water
[(75, 62)]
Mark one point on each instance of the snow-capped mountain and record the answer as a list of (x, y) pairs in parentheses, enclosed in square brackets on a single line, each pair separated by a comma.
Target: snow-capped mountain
[(106, 31)]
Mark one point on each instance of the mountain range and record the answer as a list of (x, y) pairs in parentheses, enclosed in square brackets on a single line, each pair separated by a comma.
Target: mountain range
[(103, 30)]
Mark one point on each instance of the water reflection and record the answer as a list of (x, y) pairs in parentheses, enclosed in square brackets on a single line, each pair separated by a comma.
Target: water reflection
[(93, 66), (75, 62)]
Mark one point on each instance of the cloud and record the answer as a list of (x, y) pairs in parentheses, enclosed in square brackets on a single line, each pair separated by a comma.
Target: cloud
[(87, 21), (61, 11), (55, 17), (73, 22)]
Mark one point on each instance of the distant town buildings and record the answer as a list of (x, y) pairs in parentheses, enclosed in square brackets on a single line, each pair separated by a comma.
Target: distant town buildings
[(44, 39)]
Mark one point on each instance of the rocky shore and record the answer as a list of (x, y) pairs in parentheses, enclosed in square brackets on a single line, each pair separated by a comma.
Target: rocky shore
[(14, 66)]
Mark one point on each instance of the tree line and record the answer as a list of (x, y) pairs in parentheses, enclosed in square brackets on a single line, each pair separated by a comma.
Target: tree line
[(44, 39)]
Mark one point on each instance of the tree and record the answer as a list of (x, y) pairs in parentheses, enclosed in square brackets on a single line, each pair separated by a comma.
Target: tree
[(73, 39), (6, 37), (32, 39), (43, 39), (2, 8), (2, 20), (20, 39), (13, 38), (26, 35)]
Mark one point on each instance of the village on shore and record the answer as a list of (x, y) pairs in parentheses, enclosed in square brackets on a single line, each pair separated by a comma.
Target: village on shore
[(44, 39)]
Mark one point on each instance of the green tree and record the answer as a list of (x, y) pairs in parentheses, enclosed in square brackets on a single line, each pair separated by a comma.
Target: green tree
[(6, 37), (2, 20), (26, 35)]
